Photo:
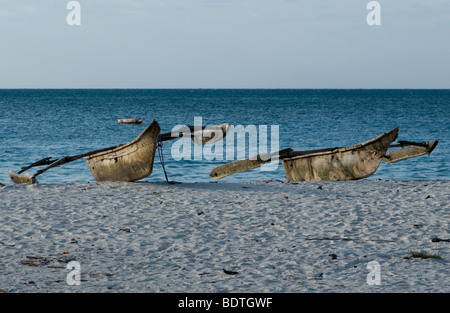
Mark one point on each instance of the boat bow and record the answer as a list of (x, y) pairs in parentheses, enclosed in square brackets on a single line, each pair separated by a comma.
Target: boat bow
[(129, 162)]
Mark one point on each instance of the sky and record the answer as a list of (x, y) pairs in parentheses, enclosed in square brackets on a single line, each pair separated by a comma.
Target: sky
[(225, 44)]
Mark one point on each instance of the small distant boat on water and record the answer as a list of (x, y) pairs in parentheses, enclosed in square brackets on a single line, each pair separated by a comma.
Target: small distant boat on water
[(130, 120)]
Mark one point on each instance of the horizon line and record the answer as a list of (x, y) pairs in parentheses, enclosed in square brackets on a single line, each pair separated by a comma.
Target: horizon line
[(213, 88)]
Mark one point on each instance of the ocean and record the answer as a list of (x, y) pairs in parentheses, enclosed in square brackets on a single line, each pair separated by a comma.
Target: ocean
[(38, 123)]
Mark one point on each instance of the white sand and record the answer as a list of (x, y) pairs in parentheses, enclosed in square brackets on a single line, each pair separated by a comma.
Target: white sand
[(278, 237)]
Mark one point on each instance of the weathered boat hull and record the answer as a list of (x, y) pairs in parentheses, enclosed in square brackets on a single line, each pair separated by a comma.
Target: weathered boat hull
[(349, 163), (129, 162)]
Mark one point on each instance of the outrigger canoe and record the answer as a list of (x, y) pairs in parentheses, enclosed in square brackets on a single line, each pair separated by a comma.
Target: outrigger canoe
[(333, 164), (127, 162), (130, 120)]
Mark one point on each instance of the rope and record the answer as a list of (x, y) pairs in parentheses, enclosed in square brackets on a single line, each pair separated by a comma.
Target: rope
[(161, 158)]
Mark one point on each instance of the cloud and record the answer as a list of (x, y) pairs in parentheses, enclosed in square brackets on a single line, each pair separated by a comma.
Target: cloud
[(18, 10), (131, 3), (7, 13)]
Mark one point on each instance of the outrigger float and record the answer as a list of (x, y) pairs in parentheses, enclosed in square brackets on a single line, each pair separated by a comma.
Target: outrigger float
[(127, 162), (334, 164)]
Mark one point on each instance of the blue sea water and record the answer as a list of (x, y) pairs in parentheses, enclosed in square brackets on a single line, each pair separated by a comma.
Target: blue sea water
[(38, 123)]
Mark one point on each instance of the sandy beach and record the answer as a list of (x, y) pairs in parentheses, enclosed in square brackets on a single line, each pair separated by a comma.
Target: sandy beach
[(272, 236)]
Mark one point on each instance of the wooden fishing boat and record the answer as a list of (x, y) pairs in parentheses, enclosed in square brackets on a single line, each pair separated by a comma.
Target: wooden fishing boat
[(129, 162), (349, 163), (130, 120)]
